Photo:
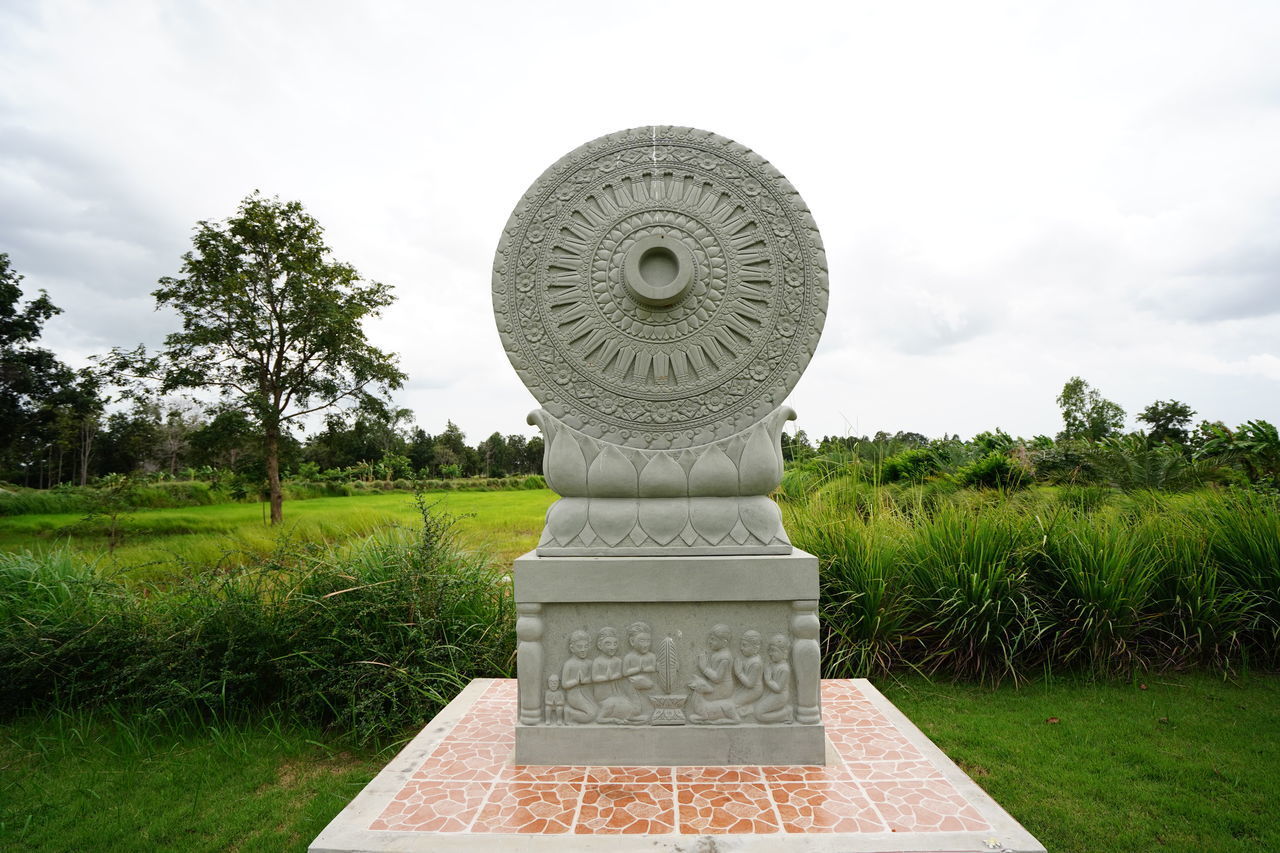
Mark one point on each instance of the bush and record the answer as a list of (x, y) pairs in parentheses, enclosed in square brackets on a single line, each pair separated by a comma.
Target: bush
[(993, 471), (367, 639), (992, 586), (914, 465)]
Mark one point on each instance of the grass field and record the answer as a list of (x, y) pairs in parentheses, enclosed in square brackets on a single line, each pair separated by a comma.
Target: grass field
[(160, 542), (1187, 764)]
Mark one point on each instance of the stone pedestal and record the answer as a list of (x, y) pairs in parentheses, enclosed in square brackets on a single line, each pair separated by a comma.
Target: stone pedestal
[(668, 660)]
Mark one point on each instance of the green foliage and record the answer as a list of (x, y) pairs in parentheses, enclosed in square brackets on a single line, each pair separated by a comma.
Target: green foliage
[(974, 608), (998, 585), (1132, 462), (1085, 499), (369, 639), (914, 464), (270, 323), (1168, 421), (1253, 446), (996, 470), (1086, 414), (48, 412)]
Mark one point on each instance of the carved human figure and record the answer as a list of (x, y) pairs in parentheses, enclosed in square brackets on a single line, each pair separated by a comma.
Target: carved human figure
[(748, 670), (640, 666), (575, 680), (613, 704), (775, 705), (554, 701), (702, 708), (716, 664)]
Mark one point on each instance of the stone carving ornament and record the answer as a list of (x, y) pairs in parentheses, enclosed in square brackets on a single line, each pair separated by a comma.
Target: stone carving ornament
[(660, 287)]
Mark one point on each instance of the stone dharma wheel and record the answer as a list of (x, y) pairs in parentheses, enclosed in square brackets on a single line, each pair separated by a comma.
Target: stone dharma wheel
[(660, 287)]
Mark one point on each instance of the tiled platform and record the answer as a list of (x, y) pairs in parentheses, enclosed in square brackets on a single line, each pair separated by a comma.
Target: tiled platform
[(885, 787)]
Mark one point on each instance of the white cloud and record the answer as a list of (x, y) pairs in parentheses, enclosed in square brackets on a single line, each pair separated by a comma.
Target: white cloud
[(1010, 194)]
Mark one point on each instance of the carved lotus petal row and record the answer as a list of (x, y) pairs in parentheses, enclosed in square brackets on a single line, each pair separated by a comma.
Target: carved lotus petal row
[(746, 463), (673, 522)]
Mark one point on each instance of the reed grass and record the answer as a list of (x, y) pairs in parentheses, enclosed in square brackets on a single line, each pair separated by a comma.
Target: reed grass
[(999, 585), (362, 637)]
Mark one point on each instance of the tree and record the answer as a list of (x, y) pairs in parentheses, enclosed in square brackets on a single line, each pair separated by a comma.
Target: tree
[(1086, 414), (43, 403), (270, 323), (795, 448), (1254, 446), (1168, 422), (227, 441)]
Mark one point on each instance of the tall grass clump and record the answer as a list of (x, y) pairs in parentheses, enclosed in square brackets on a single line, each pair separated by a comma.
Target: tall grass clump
[(993, 585), (976, 611), (1099, 578), (365, 638), (865, 608)]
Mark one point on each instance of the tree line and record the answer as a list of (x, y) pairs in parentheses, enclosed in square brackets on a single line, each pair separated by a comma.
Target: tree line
[(1165, 452), (272, 337)]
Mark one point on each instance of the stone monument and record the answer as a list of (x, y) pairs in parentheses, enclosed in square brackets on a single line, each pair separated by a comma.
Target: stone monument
[(660, 291)]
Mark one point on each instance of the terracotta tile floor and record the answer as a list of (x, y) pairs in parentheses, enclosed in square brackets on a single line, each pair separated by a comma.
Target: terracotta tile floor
[(881, 783)]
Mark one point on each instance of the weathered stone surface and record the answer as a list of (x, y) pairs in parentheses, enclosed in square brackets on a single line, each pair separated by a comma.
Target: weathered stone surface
[(660, 287)]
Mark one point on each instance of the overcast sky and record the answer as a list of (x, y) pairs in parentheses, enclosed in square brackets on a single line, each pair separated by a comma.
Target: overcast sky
[(1010, 194)]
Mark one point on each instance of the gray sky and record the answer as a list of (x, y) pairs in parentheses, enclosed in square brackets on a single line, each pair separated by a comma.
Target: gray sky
[(1010, 194)]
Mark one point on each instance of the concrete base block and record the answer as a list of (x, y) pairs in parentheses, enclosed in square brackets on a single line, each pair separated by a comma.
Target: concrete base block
[(671, 745), (668, 660)]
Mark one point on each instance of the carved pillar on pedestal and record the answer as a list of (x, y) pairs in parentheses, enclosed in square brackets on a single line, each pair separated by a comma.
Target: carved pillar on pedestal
[(529, 662)]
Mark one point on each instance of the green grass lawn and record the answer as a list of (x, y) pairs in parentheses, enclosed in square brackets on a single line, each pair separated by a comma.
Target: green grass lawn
[(1188, 764), (82, 782), (160, 542)]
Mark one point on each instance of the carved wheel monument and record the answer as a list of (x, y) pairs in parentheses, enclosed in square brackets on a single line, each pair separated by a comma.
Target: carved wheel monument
[(660, 291)]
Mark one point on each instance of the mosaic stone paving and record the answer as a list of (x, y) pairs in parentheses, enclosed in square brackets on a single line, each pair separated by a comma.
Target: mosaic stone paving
[(880, 783)]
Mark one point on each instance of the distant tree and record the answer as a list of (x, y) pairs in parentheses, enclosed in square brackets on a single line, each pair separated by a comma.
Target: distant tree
[(495, 456), (419, 451), (1168, 422), (230, 440), (533, 455), (998, 441), (42, 400), (1086, 414), (516, 445), (270, 323), (1254, 446), (174, 436), (128, 440), (796, 448)]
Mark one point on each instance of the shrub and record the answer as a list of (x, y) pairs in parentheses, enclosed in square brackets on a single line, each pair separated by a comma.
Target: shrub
[(368, 639), (993, 471), (914, 464)]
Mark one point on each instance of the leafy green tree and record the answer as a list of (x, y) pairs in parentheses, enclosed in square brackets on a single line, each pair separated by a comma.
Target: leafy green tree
[(1167, 421), (1086, 414), (270, 323), (44, 405), (1254, 446), (419, 451), (227, 441), (796, 448), (533, 451), (495, 456)]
